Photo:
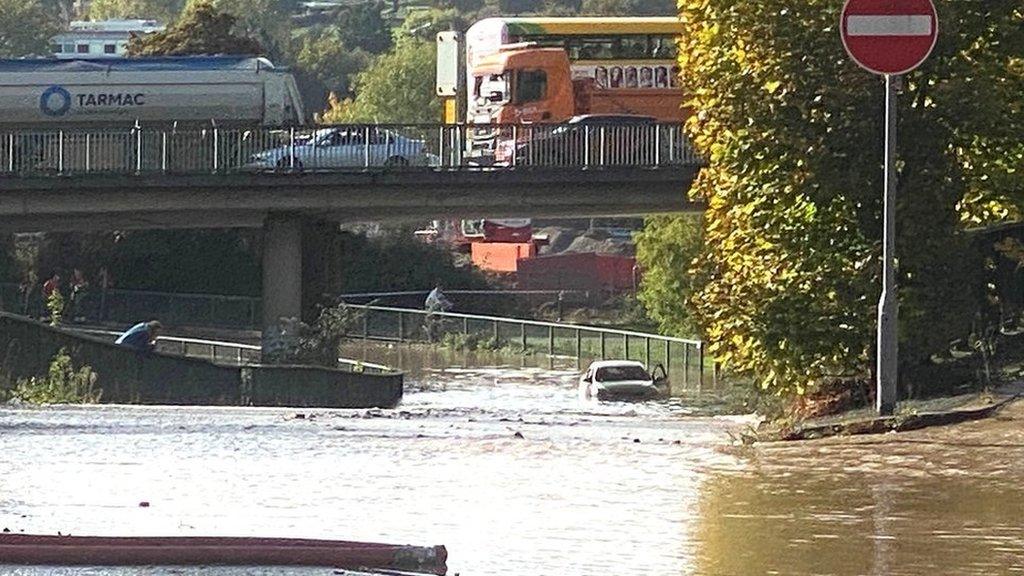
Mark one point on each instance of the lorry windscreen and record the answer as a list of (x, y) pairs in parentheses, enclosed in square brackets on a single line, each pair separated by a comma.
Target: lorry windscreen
[(491, 88)]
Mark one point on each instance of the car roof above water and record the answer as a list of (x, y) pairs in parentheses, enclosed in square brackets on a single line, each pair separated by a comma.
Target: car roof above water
[(607, 363)]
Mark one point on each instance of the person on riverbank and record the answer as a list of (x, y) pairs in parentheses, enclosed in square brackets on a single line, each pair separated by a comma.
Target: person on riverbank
[(141, 337), (79, 291), (437, 302), (51, 285)]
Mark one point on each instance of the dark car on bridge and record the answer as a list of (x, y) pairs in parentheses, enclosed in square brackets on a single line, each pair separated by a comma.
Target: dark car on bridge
[(593, 140)]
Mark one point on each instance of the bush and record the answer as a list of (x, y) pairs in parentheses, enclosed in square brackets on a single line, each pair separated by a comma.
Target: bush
[(63, 384)]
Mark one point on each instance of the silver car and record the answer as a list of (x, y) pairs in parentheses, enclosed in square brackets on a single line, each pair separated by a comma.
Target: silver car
[(345, 147), (622, 380)]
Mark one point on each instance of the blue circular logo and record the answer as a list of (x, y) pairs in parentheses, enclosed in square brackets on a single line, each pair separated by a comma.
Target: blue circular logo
[(55, 101)]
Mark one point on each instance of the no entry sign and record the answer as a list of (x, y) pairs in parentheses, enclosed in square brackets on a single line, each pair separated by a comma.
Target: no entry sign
[(889, 36)]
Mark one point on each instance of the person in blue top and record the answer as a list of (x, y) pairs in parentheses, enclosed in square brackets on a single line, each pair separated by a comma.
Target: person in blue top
[(142, 336)]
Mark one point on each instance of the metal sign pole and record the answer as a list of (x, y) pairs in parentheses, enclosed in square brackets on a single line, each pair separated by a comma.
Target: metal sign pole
[(888, 306)]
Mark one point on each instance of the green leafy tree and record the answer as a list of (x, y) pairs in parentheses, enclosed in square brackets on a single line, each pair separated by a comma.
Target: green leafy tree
[(330, 62), (25, 28), (786, 285), (162, 10), (268, 22), (397, 88), (202, 29), (628, 7), (666, 248), (362, 26)]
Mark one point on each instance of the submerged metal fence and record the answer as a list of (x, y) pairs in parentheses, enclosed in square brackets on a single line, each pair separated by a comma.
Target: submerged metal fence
[(212, 150), (228, 352), (684, 360)]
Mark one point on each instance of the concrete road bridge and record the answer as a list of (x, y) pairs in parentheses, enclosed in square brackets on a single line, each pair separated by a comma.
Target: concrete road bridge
[(209, 177)]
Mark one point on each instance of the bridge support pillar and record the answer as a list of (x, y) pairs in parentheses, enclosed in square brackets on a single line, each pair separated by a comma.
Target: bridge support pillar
[(282, 268)]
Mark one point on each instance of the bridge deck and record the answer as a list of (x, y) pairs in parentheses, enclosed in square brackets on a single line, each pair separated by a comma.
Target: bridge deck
[(89, 180)]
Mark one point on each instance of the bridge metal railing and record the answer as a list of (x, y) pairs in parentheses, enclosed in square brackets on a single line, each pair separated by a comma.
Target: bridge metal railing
[(685, 360), (340, 148)]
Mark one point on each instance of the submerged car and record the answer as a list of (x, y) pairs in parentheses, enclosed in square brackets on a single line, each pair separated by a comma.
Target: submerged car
[(622, 380), (345, 147)]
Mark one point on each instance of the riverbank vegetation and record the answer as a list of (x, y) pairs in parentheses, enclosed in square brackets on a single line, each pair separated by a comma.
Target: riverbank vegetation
[(63, 383), (785, 282)]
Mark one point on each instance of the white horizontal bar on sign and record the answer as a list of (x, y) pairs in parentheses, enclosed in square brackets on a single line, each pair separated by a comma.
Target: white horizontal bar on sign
[(907, 25)]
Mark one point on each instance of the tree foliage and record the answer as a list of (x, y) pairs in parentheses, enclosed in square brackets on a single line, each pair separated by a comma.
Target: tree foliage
[(165, 11), (787, 281), (397, 88), (362, 27), (331, 62), (26, 27), (630, 7), (202, 29), (268, 22), (665, 249)]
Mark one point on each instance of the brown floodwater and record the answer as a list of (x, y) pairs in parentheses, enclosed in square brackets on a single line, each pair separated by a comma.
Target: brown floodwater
[(515, 475)]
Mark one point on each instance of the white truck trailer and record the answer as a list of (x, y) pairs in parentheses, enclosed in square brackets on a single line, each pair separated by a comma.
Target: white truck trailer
[(223, 90)]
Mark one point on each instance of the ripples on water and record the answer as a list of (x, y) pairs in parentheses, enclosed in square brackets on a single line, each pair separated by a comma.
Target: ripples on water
[(575, 494)]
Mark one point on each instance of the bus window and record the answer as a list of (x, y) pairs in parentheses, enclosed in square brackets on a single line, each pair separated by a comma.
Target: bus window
[(615, 47), (530, 86), (663, 47)]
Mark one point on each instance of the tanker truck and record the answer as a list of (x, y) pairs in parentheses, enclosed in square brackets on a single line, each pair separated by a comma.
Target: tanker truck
[(69, 115), (110, 93)]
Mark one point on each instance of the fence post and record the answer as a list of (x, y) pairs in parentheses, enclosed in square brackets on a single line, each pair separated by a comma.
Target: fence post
[(602, 344), (515, 139), (10, 152), (551, 340), (625, 346), (465, 326), (647, 353), (700, 366), (88, 152), (497, 341), (668, 359), (163, 150), (579, 348), (60, 152), (586, 149), (366, 147), (138, 149), (657, 145), (291, 148), (216, 148), (522, 336), (686, 365)]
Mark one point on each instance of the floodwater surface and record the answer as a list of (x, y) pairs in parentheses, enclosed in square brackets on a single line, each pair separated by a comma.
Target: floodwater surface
[(515, 475)]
